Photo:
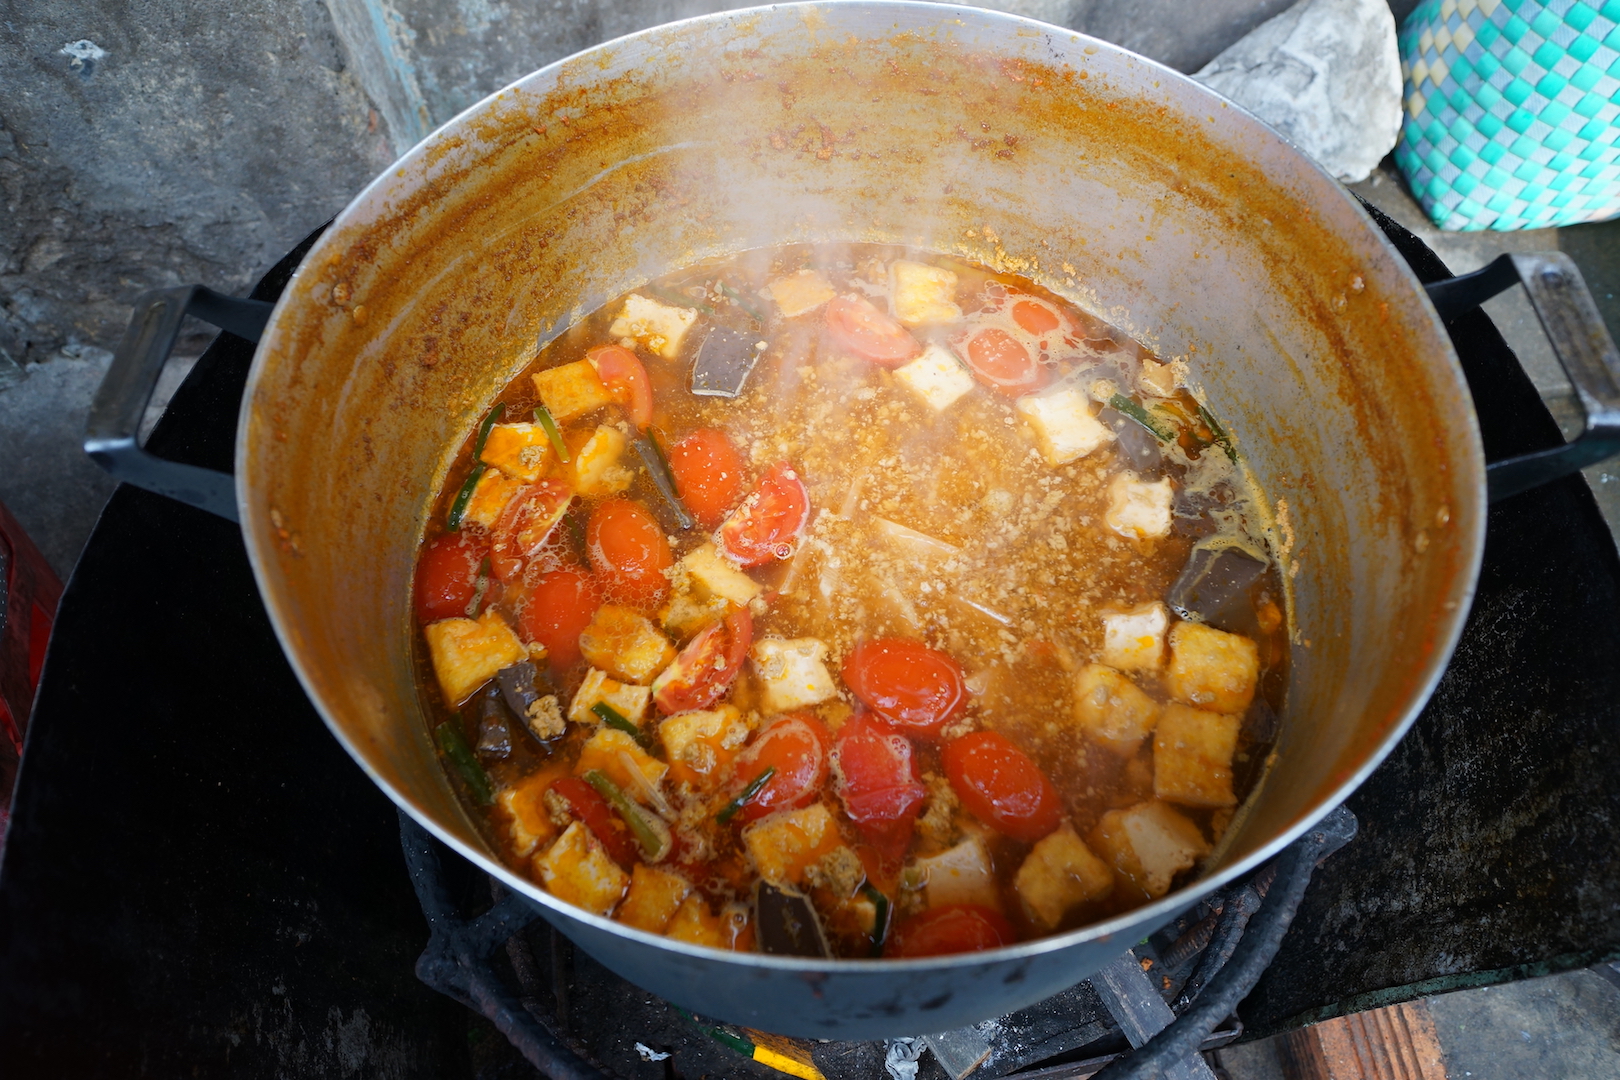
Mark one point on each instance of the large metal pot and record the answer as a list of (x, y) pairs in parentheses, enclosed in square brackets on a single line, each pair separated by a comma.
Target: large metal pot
[(1107, 178)]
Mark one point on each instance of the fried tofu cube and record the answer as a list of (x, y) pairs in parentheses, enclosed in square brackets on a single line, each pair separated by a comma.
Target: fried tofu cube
[(1063, 426), (960, 875), (1148, 845), (1134, 640), (494, 490), (695, 924), (654, 897), (1112, 710), (719, 576), (1212, 669), (571, 390), (521, 451), (1059, 874), (786, 843), (1192, 756), (627, 699), (467, 653), (615, 753), (922, 294), (625, 644), (528, 825), (658, 327), (1138, 510), (701, 743), (937, 377), (597, 468), (577, 869), (800, 293), (792, 673)]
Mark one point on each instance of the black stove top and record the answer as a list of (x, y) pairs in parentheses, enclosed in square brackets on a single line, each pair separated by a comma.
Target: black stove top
[(198, 880)]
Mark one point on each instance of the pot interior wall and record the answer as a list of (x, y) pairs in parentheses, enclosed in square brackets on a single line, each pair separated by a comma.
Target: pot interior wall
[(1112, 181)]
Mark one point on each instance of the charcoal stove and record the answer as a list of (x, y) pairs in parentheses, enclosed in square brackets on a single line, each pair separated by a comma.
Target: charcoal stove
[(198, 880)]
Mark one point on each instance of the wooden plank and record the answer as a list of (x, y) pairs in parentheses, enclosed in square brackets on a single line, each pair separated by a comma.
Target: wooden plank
[(1393, 1043)]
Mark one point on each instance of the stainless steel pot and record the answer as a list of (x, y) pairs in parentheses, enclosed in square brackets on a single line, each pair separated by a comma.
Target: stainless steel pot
[(1111, 180)]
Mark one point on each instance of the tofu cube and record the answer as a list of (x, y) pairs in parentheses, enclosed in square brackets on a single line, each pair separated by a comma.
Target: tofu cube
[(1138, 510), (937, 377), (577, 869), (658, 327), (1148, 845), (1134, 640), (1059, 874), (467, 653), (1212, 669), (1112, 710), (960, 875), (627, 699), (800, 293), (922, 294), (1192, 756), (792, 673), (717, 575), (1063, 426), (1157, 378), (615, 753), (701, 743), (597, 468), (528, 825), (785, 844), (494, 490), (521, 451), (695, 924), (655, 896), (571, 390), (625, 644)]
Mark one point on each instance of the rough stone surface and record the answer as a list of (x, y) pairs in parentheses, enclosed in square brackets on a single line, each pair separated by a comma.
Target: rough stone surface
[(1327, 75)]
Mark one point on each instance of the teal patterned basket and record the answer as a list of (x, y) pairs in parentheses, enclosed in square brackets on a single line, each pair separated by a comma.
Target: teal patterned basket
[(1512, 112)]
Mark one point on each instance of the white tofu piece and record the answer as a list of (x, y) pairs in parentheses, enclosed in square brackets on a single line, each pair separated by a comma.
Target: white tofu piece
[(792, 673), (1134, 640), (800, 293), (937, 377), (961, 875), (596, 466), (711, 570), (577, 869), (1059, 874), (656, 326), (1063, 425), (922, 294), (1149, 844), (467, 653), (627, 699), (1138, 510)]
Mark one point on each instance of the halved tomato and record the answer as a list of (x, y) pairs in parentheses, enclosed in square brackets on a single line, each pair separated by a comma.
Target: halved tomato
[(1000, 361), (629, 553), (878, 783), (709, 474), (447, 576), (525, 525), (953, 928), (856, 324), (765, 525), (705, 668), (1035, 316), (796, 745), (1002, 786), (914, 686), (626, 379), (559, 607)]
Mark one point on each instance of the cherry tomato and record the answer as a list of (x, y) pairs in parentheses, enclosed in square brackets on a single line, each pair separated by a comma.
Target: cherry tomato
[(558, 609), (877, 781), (869, 333), (525, 525), (765, 525), (797, 746), (1000, 362), (912, 685), (1035, 316), (628, 551), (708, 474), (1002, 785), (705, 668), (953, 928), (447, 576), (626, 380), (590, 808)]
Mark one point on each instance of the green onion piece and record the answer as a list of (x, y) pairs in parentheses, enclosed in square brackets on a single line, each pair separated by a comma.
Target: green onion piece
[(654, 843), (683, 301), (453, 744), (1131, 409), (483, 429), (615, 719), (747, 793), (658, 470), (1222, 439), (720, 1035), (880, 919), (737, 298), (463, 497), (542, 414)]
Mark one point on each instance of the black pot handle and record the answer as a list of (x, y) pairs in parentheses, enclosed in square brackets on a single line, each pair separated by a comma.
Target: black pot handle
[(1580, 342), (111, 434)]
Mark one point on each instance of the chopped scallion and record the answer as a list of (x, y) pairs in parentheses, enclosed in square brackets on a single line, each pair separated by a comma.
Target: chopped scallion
[(615, 719), (747, 793), (683, 301), (453, 744), (483, 429), (1222, 439), (880, 916), (655, 840), (1153, 424), (737, 298), (542, 414), (463, 497), (652, 456)]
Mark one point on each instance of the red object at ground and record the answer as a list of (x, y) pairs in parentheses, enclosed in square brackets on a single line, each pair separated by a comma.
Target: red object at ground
[(29, 592)]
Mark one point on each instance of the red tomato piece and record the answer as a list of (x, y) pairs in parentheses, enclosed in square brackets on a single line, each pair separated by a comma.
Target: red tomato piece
[(1001, 362), (1035, 316), (626, 379), (869, 333), (877, 781), (708, 474), (910, 684), (447, 576), (797, 746), (590, 808), (525, 525), (766, 524), (705, 668), (628, 551), (559, 607), (953, 928), (1002, 785)]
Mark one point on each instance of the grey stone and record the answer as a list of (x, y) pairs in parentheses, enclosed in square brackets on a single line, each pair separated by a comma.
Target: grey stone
[(1326, 74)]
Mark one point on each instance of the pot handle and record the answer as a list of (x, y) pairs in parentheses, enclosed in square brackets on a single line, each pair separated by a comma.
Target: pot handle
[(1580, 342), (112, 432)]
